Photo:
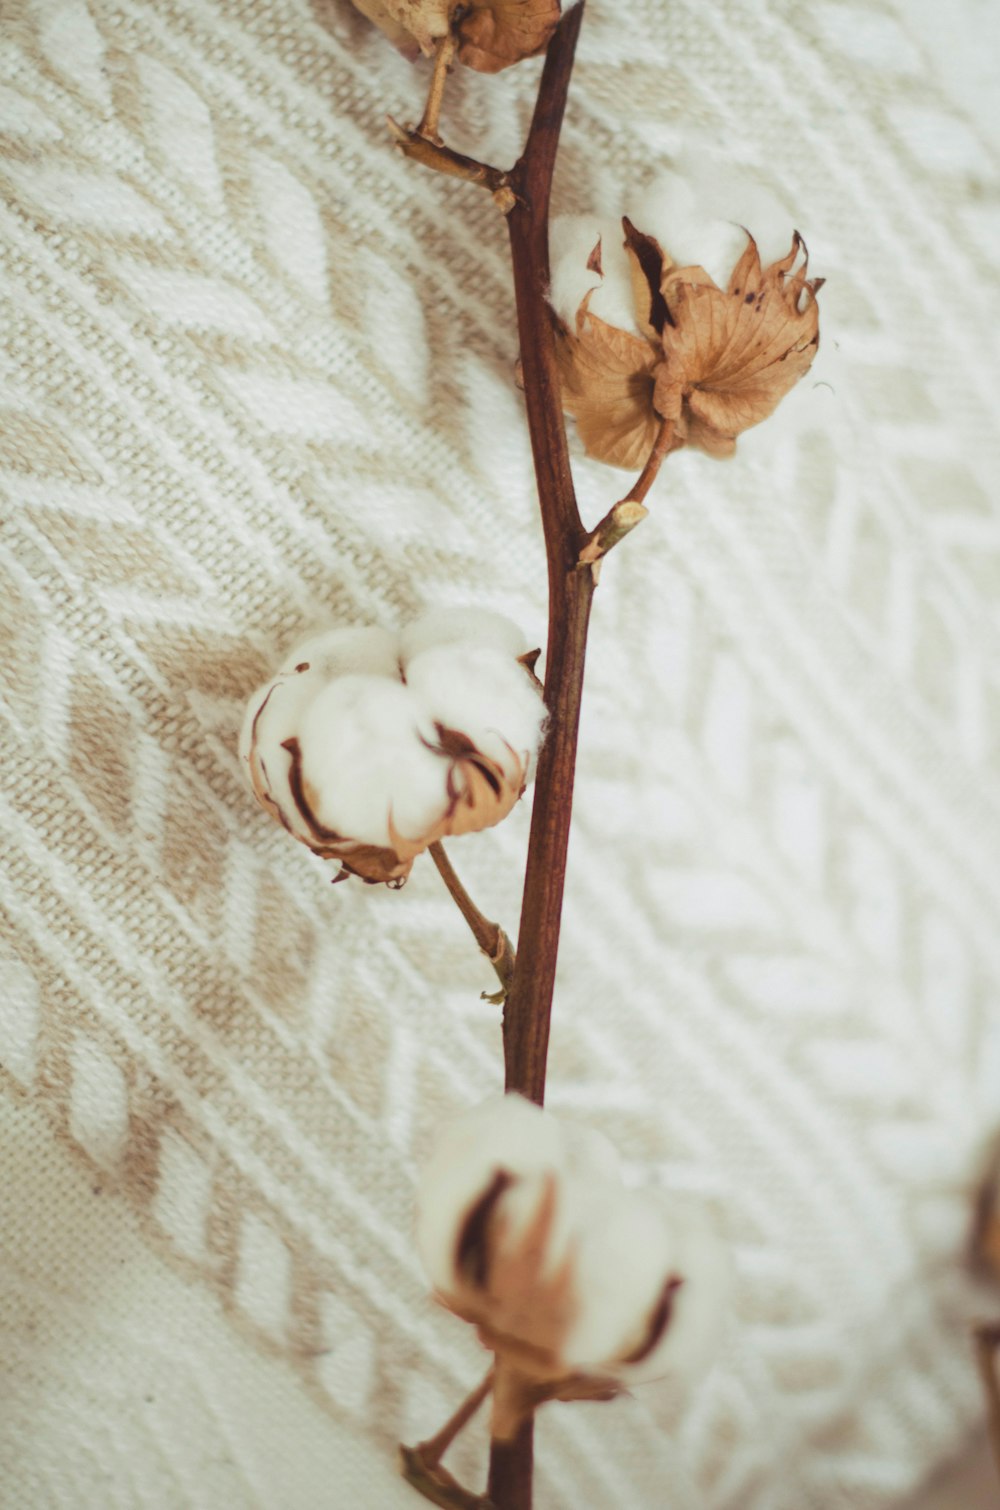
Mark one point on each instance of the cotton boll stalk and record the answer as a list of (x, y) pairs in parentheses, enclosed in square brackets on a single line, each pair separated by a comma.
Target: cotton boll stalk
[(461, 626), (368, 766), (486, 695)]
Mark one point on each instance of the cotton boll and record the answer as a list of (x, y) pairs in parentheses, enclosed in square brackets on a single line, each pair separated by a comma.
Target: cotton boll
[(273, 714), (449, 626), (573, 239), (341, 652), (670, 211), (505, 1133), (364, 763), (621, 1265), (485, 695)]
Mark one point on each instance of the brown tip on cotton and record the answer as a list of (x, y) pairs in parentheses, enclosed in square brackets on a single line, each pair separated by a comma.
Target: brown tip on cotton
[(658, 1322), (472, 1256)]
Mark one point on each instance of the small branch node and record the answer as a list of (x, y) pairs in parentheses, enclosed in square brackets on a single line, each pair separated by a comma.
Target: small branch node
[(616, 524)]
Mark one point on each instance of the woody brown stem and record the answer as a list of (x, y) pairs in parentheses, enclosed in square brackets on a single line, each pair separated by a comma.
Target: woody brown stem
[(490, 937), (435, 95), (524, 196), (988, 1357), (528, 1008)]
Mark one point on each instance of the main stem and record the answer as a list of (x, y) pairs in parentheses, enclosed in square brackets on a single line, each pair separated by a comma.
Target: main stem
[(528, 1008)]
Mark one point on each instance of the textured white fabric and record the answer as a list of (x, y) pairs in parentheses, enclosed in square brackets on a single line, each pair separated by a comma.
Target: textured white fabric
[(256, 375)]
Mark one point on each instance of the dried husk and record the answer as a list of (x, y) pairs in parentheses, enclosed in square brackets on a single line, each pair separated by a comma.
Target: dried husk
[(608, 380), (523, 1309), (414, 26), (711, 361), (491, 34)]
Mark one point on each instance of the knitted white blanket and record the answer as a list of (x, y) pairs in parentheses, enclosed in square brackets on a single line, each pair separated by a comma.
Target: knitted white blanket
[(256, 377)]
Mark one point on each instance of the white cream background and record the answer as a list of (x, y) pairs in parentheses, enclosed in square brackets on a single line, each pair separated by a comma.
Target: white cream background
[(256, 377)]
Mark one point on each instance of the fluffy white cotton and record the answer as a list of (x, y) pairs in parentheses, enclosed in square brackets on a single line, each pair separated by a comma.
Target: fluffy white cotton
[(572, 241), (365, 763), (339, 652), (311, 663), (485, 694), (672, 211), (700, 1306), (467, 626), (621, 1263), (504, 1133)]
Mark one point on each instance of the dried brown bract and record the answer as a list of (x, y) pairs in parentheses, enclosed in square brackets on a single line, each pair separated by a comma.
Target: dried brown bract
[(489, 34), (709, 361)]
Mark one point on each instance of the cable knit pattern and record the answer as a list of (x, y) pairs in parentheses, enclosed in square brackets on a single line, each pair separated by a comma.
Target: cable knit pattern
[(256, 377)]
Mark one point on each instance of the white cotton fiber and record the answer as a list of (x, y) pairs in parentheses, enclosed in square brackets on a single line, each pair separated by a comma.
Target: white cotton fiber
[(273, 714), (449, 626), (700, 1305), (484, 694), (573, 239), (505, 1132), (620, 1268), (339, 652), (672, 211), (363, 759)]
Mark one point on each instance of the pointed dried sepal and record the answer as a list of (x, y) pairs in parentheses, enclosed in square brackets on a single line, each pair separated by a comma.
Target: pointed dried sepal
[(731, 355), (493, 34), (607, 378)]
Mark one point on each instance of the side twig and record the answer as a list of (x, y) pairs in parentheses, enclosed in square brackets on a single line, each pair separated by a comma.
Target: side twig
[(490, 937)]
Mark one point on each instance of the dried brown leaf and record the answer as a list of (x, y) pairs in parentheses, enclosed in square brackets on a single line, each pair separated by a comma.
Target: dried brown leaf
[(493, 34), (607, 385)]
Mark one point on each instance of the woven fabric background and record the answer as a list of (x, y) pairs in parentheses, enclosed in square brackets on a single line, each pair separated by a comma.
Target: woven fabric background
[(256, 377)]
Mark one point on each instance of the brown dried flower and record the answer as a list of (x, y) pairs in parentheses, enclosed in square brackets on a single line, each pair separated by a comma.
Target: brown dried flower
[(708, 361), (489, 34)]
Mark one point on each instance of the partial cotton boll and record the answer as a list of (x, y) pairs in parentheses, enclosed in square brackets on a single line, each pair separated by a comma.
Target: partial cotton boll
[(364, 762), (621, 1265), (670, 211), (699, 1306), (730, 190), (575, 1283), (487, 696), (339, 652), (505, 1133), (464, 626), (573, 240)]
